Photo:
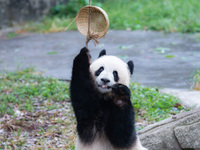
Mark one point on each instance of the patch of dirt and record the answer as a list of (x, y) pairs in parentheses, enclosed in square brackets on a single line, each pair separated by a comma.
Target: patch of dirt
[(41, 129)]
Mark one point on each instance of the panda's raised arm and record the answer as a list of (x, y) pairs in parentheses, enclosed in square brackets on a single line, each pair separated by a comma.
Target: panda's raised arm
[(83, 95), (81, 64), (82, 88)]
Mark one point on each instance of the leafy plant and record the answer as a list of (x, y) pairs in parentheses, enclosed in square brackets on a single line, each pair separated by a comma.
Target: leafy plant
[(153, 106), (196, 80), (71, 8), (11, 35), (169, 56)]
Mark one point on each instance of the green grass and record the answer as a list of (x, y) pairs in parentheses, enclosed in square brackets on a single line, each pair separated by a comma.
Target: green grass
[(24, 88), (166, 15), (153, 106)]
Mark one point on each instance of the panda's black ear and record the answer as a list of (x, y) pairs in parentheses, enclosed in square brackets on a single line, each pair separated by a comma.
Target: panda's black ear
[(102, 53), (130, 66)]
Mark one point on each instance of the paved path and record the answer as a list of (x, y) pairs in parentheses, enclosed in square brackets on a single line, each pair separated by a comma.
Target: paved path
[(53, 54), (188, 98)]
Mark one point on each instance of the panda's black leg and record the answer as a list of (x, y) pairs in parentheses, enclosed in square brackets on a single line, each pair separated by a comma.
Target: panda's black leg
[(120, 127), (84, 97)]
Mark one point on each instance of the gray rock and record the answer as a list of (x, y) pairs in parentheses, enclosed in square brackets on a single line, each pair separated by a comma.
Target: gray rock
[(176, 133), (188, 136)]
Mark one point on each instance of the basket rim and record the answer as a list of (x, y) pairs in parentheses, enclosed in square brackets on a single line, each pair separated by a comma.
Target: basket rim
[(104, 14)]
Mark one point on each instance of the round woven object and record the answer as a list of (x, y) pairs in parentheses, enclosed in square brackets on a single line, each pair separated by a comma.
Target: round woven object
[(99, 22)]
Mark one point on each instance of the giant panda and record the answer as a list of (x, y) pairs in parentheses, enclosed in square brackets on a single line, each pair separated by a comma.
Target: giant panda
[(101, 101)]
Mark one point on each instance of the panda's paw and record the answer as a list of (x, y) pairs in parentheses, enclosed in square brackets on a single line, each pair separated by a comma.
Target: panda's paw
[(121, 95), (83, 58), (84, 51), (121, 90)]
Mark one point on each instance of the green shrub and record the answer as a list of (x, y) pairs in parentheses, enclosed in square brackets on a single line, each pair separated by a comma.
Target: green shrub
[(153, 106), (71, 8)]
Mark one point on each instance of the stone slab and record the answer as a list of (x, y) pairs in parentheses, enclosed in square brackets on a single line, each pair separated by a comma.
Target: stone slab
[(179, 132)]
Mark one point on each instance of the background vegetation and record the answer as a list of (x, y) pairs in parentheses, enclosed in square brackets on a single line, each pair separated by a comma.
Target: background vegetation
[(196, 80), (35, 111), (166, 15), (22, 89)]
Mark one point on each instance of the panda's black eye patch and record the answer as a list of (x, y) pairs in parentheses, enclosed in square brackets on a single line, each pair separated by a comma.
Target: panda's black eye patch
[(116, 77), (97, 73)]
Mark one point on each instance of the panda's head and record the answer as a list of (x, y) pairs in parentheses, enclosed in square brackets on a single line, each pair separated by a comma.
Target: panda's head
[(109, 70)]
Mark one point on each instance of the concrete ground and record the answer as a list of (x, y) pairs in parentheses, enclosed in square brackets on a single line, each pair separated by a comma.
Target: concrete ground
[(188, 98), (161, 60)]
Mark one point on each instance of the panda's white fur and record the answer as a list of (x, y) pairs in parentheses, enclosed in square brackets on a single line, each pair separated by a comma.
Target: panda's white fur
[(102, 143), (110, 64)]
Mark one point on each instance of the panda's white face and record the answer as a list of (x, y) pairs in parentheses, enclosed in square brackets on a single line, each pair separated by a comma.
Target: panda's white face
[(109, 70)]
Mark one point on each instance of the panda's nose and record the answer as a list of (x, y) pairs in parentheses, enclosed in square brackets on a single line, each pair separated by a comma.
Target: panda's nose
[(104, 80)]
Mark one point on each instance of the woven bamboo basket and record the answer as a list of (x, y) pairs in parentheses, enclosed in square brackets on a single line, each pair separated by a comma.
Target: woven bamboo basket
[(99, 22)]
